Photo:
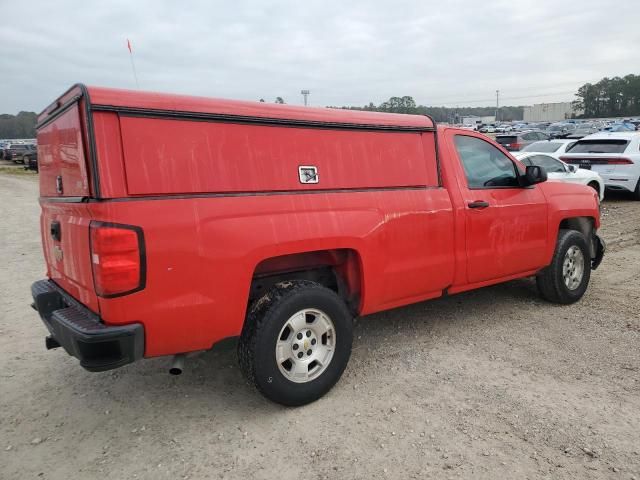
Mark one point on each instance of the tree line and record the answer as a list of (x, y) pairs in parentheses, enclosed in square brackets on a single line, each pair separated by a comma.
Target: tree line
[(22, 125), (610, 97), (408, 105)]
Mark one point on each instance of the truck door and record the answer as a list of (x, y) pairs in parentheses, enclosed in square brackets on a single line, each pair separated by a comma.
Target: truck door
[(505, 224)]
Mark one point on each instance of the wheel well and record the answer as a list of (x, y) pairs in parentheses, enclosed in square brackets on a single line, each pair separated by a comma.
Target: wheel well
[(584, 225), (595, 185), (336, 269)]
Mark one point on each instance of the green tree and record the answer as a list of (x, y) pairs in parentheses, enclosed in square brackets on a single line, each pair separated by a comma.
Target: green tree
[(279, 100), (610, 97), (408, 105), (22, 125)]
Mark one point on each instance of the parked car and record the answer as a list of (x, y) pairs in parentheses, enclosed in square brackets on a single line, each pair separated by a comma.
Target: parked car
[(621, 127), (518, 140), (3, 145), (487, 129), (541, 126), (559, 171), (15, 151), (560, 130), (234, 237), (504, 128), (615, 156), (582, 131), (30, 158), (555, 147)]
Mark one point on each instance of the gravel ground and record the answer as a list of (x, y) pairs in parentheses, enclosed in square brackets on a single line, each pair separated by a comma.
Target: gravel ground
[(488, 384)]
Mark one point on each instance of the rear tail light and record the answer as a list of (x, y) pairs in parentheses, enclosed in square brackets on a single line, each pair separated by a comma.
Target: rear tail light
[(619, 161), (598, 160), (516, 146), (117, 258)]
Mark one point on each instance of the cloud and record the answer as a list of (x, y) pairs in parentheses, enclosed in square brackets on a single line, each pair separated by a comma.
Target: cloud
[(346, 53)]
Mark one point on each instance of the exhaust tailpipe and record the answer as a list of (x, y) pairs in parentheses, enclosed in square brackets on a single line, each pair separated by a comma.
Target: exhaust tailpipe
[(177, 364)]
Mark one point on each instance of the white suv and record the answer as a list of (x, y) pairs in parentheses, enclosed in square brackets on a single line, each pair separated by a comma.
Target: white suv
[(614, 155)]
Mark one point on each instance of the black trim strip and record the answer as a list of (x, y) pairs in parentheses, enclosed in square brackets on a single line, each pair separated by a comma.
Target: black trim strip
[(93, 157), (64, 199), (232, 194), (437, 148), (218, 117)]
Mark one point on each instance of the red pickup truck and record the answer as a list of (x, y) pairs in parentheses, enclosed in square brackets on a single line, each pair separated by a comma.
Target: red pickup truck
[(171, 222)]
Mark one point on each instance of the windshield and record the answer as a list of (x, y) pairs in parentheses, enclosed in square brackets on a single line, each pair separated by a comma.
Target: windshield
[(599, 146), (556, 128), (545, 147)]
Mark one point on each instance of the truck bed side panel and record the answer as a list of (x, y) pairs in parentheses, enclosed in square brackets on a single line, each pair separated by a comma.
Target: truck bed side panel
[(201, 254)]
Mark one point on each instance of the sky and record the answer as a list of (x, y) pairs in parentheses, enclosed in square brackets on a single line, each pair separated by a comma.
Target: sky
[(450, 52)]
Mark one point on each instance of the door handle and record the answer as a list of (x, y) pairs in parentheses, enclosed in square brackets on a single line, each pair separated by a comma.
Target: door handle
[(478, 204)]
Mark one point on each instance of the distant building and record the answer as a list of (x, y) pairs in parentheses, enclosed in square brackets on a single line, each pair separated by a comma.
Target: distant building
[(549, 112), (474, 120)]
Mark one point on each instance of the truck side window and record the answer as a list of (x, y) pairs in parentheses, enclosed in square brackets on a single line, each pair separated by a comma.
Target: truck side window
[(484, 165)]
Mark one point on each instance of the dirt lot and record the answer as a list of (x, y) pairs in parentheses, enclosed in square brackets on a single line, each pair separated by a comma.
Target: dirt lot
[(489, 384)]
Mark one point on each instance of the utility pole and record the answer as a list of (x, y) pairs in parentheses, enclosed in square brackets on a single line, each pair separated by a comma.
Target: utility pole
[(305, 94), (497, 103)]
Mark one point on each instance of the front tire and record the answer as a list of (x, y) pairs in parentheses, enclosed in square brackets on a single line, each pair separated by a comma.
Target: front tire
[(566, 279), (296, 342)]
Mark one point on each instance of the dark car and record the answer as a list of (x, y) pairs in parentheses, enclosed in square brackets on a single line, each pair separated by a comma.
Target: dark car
[(560, 130), (15, 151), (30, 158), (518, 140)]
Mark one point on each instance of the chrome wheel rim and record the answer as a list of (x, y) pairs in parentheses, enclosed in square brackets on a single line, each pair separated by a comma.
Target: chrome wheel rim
[(305, 345), (573, 267)]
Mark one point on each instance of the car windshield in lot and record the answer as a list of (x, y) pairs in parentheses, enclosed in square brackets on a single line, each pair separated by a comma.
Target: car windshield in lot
[(544, 147), (599, 146)]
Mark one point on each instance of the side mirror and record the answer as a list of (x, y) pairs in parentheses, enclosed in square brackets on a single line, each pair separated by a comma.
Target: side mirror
[(572, 168), (535, 174)]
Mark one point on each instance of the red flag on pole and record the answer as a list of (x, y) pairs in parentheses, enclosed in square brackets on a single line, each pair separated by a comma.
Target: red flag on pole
[(129, 45)]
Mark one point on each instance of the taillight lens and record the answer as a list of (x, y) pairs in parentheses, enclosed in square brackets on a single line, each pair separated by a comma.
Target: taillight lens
[(598, 160), (117, 258), (619, 161), (516, 146)]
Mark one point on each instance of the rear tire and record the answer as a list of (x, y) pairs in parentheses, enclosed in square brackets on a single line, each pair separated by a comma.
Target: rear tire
[(567, 277), (296, 342)]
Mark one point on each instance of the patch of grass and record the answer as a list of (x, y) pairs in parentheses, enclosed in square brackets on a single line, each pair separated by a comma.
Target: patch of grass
[(18, 171)]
